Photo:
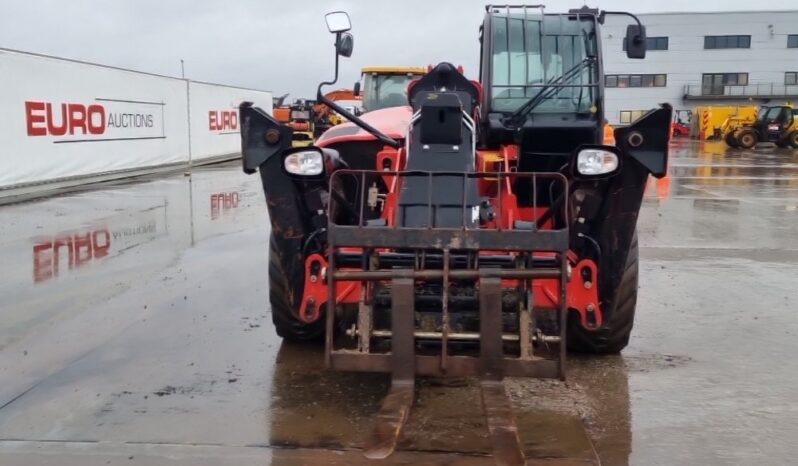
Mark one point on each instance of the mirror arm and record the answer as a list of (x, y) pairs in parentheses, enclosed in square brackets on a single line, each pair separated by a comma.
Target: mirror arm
[(337, 59), (342, 111), (625, 13)]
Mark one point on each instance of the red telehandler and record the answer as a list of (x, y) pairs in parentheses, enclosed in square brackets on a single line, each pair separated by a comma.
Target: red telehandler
[(481, 230)]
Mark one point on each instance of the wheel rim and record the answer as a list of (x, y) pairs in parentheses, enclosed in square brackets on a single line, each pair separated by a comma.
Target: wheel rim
[(747, 140)]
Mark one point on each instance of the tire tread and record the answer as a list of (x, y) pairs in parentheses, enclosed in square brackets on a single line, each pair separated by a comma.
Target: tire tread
[(613, 335), (286, 323)]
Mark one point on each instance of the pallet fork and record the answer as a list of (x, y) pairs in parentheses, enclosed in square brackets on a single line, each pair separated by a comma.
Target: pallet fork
[(492, 364)]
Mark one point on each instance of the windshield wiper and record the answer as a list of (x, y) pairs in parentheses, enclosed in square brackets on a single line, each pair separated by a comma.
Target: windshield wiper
[(550, 89)]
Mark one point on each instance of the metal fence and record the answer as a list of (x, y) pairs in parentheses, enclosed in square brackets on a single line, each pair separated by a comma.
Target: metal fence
[(757, 90)]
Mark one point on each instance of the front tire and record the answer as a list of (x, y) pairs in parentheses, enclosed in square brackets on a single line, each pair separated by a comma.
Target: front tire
[(731, 141), (284, 317), (793, 139), (747, 139), (613, 335)]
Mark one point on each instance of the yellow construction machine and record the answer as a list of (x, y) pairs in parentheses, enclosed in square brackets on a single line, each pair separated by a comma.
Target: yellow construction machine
[(732, 124), (386, 86), (714, 122), (776, 124)]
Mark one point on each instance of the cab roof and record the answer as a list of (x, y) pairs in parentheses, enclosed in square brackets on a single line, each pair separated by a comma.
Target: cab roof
[(419, 70)]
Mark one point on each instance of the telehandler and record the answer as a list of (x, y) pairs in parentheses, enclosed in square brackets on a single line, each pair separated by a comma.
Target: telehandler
[(479, 230), (778, 124)]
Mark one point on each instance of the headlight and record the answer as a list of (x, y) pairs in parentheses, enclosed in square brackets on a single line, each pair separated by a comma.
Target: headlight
[(592, 162), (305, 163)]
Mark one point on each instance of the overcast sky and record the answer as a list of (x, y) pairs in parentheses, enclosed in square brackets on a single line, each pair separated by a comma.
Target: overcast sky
[(281, 46)]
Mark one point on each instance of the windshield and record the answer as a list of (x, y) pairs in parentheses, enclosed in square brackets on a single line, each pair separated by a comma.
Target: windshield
[(383, 91), (770, 114), (531, 50)]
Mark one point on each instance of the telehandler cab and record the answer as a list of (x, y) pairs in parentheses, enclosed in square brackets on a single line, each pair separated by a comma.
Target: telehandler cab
[(480, 230)]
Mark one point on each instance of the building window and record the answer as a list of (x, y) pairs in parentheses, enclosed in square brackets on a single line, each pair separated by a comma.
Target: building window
[(792, 41), (791, 78), (653, 43), (635, 80), (727, 42), (630, 116), (715, 83)]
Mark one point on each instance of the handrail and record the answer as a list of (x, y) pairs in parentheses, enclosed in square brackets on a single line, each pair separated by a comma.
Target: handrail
[(770, 89)]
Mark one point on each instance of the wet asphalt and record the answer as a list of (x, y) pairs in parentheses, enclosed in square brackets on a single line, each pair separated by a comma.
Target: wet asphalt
[(135, 329)]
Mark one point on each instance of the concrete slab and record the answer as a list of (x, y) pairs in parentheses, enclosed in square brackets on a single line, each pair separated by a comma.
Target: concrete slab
[(134, 322)]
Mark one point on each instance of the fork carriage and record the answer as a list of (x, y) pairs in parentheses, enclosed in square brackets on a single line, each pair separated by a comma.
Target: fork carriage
[(409, 281)]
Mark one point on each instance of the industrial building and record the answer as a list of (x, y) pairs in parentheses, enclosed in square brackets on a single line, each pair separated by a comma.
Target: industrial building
[(698, 59)]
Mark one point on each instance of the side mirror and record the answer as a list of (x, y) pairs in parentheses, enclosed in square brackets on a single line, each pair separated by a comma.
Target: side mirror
[(338, 21), (356, 89), (635, 41), (346, 43)]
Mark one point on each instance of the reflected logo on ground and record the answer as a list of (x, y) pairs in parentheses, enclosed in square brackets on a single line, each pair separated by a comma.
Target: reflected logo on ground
[(69, 250), (75, 249), (223, 202)]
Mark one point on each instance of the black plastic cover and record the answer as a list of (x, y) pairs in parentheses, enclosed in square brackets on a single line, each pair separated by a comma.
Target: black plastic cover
[(441, 119), (439, 142), (444, 77), (255, 149), (646, 140)]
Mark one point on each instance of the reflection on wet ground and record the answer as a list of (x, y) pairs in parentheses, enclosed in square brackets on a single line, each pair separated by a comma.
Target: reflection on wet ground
[(135, 329)]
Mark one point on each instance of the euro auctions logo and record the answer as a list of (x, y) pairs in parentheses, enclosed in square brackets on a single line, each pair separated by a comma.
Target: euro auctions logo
[(104, 120), (42, 120), (223, 121)]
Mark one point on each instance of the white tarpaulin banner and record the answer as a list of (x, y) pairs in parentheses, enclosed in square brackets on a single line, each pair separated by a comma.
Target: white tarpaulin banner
[(61, 119), (215, 127)]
